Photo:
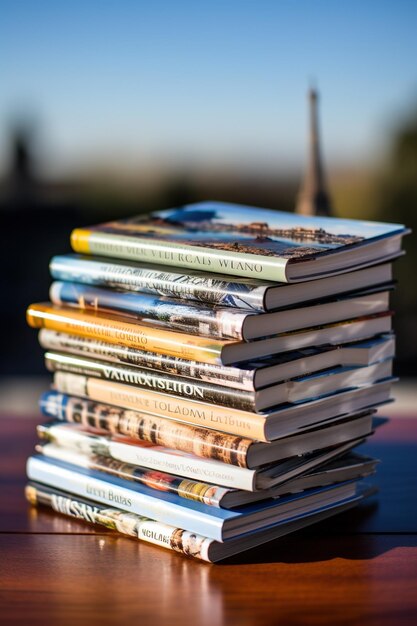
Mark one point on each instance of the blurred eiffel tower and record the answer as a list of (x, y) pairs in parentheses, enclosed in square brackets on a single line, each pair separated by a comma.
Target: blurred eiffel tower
[(313, 198)]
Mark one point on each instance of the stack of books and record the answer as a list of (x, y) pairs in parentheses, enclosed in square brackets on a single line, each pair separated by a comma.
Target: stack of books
[(214, 368)]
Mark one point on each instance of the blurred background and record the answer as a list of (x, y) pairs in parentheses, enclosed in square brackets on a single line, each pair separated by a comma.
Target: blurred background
[(110, 109)]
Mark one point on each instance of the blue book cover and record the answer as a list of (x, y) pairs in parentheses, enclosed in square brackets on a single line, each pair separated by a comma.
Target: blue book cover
[(218, 524), (220, 322), (207, 288), (195, 318)]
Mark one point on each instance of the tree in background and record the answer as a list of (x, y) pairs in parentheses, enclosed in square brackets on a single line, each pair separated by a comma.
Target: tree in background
[(397, 202)]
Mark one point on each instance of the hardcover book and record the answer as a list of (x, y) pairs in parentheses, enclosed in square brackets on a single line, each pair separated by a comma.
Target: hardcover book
[(251, 376), (315, 470), (218, 322), (265, 426), (300, 389), (216, 523), (156, 337), (146, 455), (201, 442), (244, 241), (169, 537), (213, 289)]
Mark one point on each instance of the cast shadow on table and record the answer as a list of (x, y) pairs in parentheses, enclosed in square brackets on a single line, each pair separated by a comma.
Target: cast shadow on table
[(338, 537), (322, 542)]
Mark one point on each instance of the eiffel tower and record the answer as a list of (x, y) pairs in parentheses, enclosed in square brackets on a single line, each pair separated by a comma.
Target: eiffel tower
[(313, 198)]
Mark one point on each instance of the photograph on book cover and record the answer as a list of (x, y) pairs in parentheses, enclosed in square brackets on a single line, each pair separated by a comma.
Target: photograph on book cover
[(249, 230)]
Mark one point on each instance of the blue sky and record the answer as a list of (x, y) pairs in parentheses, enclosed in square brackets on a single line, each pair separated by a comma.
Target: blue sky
[(205, 83)]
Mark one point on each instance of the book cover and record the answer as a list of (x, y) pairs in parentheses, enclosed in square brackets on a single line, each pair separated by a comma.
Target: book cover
[(154, 337), (146, 380), (230, 239), (145, 454), (242, 423), (200, 442), (216, 523), (299, 389), (214, 289), (249, 294), (296, 474), (67, 439), (203, 442), (208, 494), (266, 426), (122, 330), (169, 537), (194, 319), (124, 522), (248, 376), (228, 376), (219, 322)]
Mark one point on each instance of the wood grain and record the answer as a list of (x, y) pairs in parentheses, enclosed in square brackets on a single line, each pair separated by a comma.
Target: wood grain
[(360, 568)]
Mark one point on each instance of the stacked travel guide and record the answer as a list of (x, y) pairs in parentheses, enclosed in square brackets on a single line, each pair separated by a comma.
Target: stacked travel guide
[(214, 368)]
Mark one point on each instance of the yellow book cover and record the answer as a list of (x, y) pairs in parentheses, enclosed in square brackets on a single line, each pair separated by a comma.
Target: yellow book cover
[(123, 331)]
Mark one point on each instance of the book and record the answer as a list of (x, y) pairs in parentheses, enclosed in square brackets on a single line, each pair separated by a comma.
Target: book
[(244, 241), (250, 294), (154, 337), (252, 375), (296, 475), (300, 389), (201, 442), (215, 523), (169, 537), (218, 322), (265, 426), (153, 457)]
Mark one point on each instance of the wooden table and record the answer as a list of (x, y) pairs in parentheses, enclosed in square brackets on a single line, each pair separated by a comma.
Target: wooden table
[(359, 568)]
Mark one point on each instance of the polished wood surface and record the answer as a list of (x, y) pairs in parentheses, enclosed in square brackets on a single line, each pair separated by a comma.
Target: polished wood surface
[(359, 568)]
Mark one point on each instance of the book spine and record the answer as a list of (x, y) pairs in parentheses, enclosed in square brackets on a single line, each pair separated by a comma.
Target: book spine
[(193, 319), (129, 524), (202, 442), (181, 254), (199, 287), (123, 332), (240, 423), (145, 455), (111, 491), (146, 380), (206, 372), (208, 494)]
